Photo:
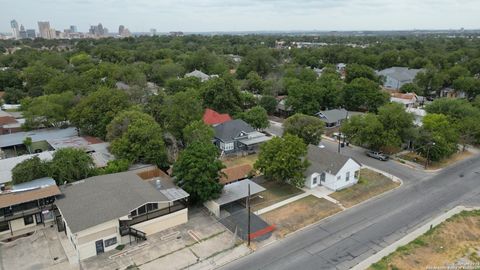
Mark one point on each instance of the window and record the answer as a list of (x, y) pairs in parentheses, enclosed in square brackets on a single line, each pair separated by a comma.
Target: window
[(347, 176), (133, 213), (28, 220), (110, 242), (315, 180), (322, 177), (152, 206), (339, 177), (142, 210), (4, 226)]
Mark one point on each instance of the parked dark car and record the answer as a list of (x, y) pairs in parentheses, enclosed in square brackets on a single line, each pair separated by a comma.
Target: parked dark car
[(377, 155)]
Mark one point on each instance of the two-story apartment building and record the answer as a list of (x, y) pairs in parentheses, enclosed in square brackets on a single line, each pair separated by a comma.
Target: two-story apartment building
[(27, 205), (101, 212)]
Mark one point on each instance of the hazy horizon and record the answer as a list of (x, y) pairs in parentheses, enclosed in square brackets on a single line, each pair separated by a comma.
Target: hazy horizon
[(245, 16)]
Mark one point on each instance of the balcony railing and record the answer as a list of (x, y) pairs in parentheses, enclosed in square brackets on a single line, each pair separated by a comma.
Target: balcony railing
[(177, 206), (26, 212)]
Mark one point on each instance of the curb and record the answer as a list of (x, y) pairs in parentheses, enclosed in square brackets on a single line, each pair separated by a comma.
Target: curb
[(411, 236)]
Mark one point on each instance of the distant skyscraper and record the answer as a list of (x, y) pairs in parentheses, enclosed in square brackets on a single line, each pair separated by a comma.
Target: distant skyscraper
[(44, 30), (73, 29), (31, 33), (121, 28), (153, 32), (22, 33), (15, 29)]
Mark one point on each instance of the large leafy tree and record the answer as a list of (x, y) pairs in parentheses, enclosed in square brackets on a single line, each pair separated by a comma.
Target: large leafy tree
[(137, 137), (283, 159), (395, 119), (309, 128), (365, 130), (439, 138), (198, 171), (260, 61), (48, 110), (70, 164), (304, 98), (222, 95), (28, 170), (179, 110), (359, 71), (37, 76), (364, 94), (269, 103), (257, 117), (96, 111), (197, 131)]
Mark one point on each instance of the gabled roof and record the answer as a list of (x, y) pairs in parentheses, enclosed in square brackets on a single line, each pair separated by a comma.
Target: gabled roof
[(198, 74), (230, 130), (332, 116), (99, 199), (211, 117), (323, 160), (235, 173), (409, 96), (402, 74)]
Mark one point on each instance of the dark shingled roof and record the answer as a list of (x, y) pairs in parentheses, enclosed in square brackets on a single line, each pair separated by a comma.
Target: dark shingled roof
[(99, 199), (332, 116), (230, 130), (322, 160)]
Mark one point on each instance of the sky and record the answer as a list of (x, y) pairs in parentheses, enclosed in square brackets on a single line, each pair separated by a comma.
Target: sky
[(243, 15)]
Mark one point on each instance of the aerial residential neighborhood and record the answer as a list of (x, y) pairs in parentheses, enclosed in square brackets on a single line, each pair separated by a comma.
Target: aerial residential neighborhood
[(210, 135)]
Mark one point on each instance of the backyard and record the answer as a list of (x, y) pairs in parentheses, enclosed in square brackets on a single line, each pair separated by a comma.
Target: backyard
[(452, 245), (274, 193), (371, 184), (234, 161), (298, 214)]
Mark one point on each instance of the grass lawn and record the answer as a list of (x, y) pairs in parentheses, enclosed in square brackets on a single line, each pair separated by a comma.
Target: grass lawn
[(455, 240), (234, 161), (370, 184), (414, 157), (274, 193), (299, 214)]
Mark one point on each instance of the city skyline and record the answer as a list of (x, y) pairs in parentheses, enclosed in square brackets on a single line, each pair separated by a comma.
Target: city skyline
[(250, 15)]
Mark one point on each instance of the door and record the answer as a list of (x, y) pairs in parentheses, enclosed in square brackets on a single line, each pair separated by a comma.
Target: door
[(99, 246), (38, 218)]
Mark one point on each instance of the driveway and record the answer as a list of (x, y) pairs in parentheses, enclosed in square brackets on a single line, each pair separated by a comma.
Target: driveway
[(237, 222)]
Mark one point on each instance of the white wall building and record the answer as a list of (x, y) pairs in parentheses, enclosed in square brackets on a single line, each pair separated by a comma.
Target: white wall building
[(330, 169)]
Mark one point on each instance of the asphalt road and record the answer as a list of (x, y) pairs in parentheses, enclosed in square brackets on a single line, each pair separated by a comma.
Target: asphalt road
[(351, 236)]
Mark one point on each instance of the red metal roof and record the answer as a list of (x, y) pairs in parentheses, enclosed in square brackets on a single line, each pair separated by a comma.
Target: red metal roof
[(211, 117)]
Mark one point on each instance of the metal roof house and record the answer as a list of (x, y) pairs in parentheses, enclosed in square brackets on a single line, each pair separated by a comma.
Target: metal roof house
[(101, 212), (330, 169), (200, 75), (236, 136)]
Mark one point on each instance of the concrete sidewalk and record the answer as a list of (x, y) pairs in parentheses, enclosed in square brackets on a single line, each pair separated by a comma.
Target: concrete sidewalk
[(280, 204), (411, 236)]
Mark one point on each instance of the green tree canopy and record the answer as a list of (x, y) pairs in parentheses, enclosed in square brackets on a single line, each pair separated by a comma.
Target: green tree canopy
[(308, 128), (269, 103), (137, 137), (355, 71), (221, 95), (438, 129), (28, 170), (70, 165), (198, 171), (364, 94), (257, 117), (96, 111), (283, 159), (47, 111), (197, 131)]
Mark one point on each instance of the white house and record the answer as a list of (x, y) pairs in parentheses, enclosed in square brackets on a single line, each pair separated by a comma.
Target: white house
[(330, 169)]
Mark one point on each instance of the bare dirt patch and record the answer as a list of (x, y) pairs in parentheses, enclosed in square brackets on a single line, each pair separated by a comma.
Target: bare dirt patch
[(299, 214), (457, 240), (371, 184), (234, 161)]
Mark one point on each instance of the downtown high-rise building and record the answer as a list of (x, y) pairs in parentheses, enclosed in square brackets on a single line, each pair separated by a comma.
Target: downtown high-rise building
[(22, 33), (45, 31), (153, 32), (15, 29), (73, 29), (31, 33)]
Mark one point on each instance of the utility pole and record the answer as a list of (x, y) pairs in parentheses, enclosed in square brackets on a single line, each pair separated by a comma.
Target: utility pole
[(248, 209)]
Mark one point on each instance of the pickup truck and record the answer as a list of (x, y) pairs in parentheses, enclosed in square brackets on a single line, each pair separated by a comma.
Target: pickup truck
[(377, 155)]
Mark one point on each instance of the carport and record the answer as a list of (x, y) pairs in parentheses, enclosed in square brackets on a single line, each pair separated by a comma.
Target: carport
[(231, 211)]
